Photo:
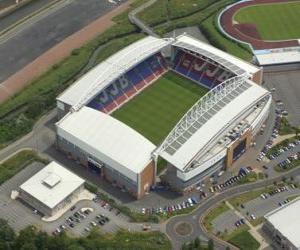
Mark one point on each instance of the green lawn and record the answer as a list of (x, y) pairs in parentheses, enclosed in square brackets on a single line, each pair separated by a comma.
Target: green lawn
[(244, 241), (17, 162), (273, 21), (157, 109)]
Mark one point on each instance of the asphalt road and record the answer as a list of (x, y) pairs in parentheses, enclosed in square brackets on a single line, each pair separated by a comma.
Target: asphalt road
[(41, 33), (22, 12), (195, 218)]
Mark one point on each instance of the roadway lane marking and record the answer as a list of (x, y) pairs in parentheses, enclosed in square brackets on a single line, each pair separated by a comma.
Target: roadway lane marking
[(13, 30)]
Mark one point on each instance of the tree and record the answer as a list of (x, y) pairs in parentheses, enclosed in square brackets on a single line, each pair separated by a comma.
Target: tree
[(197, 243), (227, 248), (210, 245), (26, 238), (7, 235)]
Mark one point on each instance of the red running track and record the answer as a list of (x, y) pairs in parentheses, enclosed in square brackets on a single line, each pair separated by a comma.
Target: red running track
[(233, 30)]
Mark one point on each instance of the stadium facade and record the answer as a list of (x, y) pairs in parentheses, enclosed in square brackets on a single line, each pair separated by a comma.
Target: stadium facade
[(210, 136)]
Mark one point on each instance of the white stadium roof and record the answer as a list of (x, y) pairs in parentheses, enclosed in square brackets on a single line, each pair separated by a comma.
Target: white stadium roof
[(107, 71), (212, 114), (278, 56), (52, 184), (107, 139), (286, 220), (228, 61)]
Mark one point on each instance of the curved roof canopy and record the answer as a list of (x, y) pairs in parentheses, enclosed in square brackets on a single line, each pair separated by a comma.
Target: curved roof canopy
[(214, 112), (109, 70), (232, 63), (107, 139)]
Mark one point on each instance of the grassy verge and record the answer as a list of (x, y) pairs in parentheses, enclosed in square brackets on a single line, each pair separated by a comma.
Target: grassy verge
[(286, 128), (203, 15), (293, 197), (214, 213), (213, 35), (245, 197), (244, 241), (116, 45), (16, 163), (165, 216), (282, 144), (291, 165), (227, 236), (257, 221), (165, 10), (128, 240), (251, 177)]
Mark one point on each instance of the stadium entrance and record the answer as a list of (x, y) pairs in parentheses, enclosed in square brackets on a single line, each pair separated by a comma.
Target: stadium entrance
[(94, 166), (239, 150)]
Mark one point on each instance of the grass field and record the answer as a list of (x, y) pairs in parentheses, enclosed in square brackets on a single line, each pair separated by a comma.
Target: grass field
[(158, 108), (273, 21), (244, 241)]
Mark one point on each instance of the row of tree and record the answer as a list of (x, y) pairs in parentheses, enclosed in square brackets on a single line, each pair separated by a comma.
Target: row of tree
[(31, 238)]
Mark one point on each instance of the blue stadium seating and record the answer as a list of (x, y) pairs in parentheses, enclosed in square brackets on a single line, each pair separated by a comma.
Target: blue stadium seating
[(209, 75), (115, 93)]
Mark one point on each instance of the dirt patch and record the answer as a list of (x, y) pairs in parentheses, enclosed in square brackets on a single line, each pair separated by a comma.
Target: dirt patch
[(248, 29), (40, 65)]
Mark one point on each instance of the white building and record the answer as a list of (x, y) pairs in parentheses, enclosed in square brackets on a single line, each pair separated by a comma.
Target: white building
[(283, 226), (108, 147), (51, 188)]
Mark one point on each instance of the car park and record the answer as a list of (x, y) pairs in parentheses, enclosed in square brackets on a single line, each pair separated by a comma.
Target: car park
[(93, 223)]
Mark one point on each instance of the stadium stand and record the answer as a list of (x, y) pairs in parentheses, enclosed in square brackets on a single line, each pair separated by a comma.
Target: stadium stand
[(212, 134), (200, 69), (129, 84)]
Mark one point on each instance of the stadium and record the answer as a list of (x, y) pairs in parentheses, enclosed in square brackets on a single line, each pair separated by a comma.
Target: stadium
[(175, 100)]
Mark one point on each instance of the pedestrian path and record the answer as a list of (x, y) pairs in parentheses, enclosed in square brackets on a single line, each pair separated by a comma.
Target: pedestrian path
[(253, 230)]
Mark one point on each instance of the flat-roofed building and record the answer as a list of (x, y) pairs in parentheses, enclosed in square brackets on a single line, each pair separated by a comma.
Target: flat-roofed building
[(51, 188), (282, 224)]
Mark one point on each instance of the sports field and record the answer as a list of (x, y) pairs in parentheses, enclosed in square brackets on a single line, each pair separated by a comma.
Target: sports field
[(277, 21), (156, 110)]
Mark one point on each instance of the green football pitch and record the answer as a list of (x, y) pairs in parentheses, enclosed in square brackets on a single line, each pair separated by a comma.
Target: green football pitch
[(277, 21), (157, 109)]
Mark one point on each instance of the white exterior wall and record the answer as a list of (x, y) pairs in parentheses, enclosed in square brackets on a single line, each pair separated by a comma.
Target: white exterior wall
[(257, 123), (187, 176), (97, 154)]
